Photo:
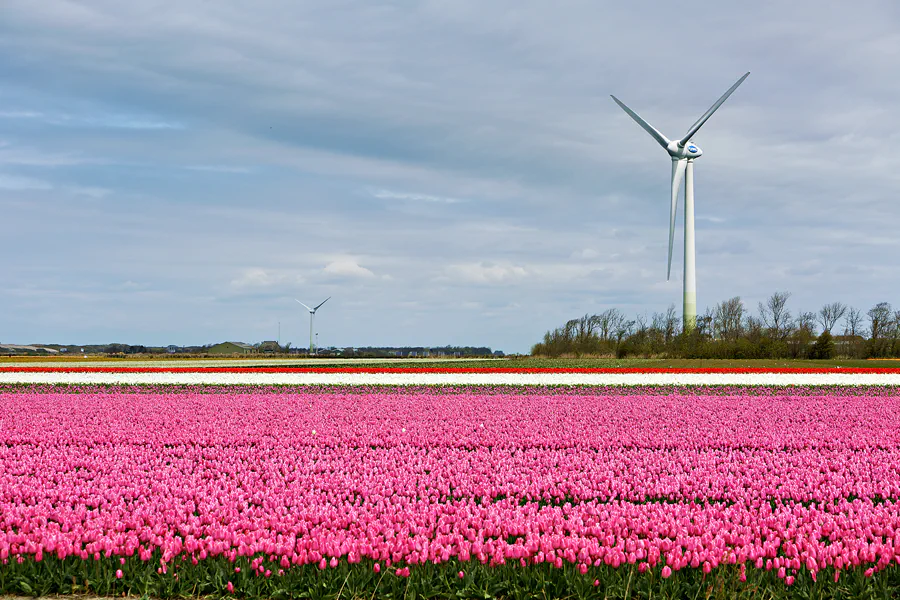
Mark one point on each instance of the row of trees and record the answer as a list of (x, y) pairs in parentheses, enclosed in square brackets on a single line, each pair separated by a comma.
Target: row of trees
[(730, 330)]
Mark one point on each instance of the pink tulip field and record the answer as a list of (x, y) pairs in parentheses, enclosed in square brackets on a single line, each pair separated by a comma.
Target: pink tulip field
[(450, 492)]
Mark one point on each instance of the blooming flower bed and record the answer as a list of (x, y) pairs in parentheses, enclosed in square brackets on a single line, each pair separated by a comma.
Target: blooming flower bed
[(460, 491), (447, 376), (162, 368)]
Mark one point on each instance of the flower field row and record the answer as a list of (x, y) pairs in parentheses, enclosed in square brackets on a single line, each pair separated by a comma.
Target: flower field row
[(293, 377), (254, 492), (162, 368)]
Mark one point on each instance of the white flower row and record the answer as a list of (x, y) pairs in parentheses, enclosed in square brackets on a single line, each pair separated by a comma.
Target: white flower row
[(457, 378)]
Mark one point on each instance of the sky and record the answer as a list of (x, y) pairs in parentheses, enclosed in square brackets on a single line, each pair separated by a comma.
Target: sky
[(449, 172)]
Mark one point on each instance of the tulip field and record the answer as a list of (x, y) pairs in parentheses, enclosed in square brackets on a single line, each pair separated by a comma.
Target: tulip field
[(462, 491)]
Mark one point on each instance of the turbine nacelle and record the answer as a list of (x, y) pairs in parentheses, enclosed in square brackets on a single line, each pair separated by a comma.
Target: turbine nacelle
[(689, 150)]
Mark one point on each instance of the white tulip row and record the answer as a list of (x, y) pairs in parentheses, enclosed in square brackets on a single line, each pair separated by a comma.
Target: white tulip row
[(538, 379)]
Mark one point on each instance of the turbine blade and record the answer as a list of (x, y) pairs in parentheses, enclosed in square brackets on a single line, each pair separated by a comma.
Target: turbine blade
[(678, 167), (323, 302), (304, 306), (696, 126), (663, 140)]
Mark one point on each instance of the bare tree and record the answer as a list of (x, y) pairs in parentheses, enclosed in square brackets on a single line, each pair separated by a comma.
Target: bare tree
[(623, 329), (608, 323), (806, 322), (803, 335), (584, 331), (728, 318), (671, 323), (658, 323), (641, 324), (775, 315), (880, 320), (853, 322), (656, 334), (570, 329), (753, 327), (705, 322), (830, 314)]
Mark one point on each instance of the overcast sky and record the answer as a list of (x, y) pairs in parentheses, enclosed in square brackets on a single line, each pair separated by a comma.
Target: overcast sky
[(449, 172)]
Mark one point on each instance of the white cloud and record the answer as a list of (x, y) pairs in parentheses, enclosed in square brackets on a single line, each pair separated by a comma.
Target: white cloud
[(96, 193), (219, 169), (257, 277), (388, 194), (129, 286), (487, 272), (585, 253), (114, 121), (346, 267), (17, 183), (19, 114), (11, 154)]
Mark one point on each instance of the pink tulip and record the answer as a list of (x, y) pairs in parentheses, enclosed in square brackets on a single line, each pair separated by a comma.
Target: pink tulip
[(559, 476)]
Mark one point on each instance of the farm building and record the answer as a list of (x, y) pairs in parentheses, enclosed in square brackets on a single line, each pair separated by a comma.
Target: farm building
[(270, 347), (231, 348)]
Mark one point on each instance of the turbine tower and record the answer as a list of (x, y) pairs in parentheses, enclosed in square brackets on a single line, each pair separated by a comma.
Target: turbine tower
[(312, 314), (683, 153)]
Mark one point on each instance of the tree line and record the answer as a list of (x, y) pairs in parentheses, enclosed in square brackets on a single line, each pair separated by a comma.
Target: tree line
[(731, 330)]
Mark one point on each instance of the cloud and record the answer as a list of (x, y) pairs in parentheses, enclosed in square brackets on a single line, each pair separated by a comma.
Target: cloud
[(487, 273), (17, 183), (388, 194), (219, 169), (96, 193), (457, 146), (585, 253), (13, 154), (257, 277), (348, 268), (129, 286), (90, 116), (100, 119), (19, 114)]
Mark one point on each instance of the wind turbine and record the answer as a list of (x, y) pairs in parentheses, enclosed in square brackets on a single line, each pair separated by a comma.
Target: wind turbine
[(683, 153), (312, 314)]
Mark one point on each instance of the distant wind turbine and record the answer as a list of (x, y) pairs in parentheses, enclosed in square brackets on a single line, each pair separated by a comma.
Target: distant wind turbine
[(683, 153), (312, 314)]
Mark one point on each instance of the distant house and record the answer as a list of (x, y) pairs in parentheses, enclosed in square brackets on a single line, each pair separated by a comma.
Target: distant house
[(270, 347), (231, 348)]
